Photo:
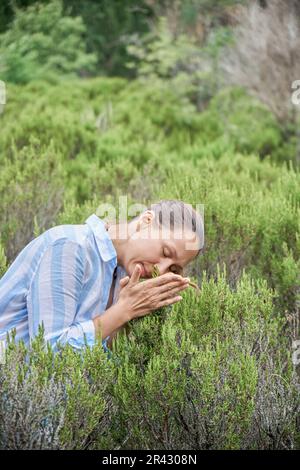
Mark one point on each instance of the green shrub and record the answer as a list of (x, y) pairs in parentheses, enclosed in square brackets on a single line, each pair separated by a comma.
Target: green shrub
[(197, 378), (53, 401), (241, 122), (251, 212), (103, 118), (211, 372), (206, 373), (3, 261), (31, 194), (114, 142), (42, 42), (110, 25)]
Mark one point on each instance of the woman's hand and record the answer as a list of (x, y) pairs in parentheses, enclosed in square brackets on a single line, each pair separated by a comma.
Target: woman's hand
[(140, 298)]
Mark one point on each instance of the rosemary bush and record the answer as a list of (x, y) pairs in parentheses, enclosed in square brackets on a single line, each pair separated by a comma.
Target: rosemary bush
[(214, 371)]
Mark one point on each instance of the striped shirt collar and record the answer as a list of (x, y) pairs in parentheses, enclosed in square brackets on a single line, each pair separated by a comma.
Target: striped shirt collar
[(104, 243)]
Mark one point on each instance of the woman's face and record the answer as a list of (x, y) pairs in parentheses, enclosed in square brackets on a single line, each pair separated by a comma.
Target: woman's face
[(149, 246)]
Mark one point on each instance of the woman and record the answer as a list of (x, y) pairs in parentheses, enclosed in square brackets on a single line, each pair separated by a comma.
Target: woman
[(81, 282)]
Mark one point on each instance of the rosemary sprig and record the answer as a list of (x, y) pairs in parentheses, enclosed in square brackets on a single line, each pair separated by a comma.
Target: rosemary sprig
[(156, 273)]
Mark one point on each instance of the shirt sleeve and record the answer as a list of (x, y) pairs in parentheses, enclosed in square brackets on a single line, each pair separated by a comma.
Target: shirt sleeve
[(54, 295)]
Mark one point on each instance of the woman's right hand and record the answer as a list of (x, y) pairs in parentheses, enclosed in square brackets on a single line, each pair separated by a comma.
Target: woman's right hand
[(141, 298)]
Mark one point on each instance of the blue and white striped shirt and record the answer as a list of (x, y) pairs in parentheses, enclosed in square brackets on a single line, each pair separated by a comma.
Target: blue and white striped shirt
[(61, 279)]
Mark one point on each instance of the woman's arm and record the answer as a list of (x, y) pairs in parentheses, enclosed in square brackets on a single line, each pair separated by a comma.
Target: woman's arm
[(111, 321), (122, 283), (53, 296), (113, 335)]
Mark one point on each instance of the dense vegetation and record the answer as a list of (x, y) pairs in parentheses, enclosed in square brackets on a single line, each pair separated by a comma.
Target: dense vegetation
[(215, 371)]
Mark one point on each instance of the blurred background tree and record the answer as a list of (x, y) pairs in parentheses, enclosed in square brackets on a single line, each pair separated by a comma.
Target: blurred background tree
[(107, 23), (42, 41), (111, 25)]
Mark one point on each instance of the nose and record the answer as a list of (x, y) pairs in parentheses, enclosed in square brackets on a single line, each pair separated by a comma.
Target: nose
[(164, 266)]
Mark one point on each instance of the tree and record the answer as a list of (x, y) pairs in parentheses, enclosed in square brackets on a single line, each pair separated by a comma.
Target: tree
[(42, 41)]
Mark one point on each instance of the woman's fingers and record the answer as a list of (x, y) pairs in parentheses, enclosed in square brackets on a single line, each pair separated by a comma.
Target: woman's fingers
[(171, 285), (170, 301), (136, 274), (144, 297), (171, 292), (165, 279), (124, 281)]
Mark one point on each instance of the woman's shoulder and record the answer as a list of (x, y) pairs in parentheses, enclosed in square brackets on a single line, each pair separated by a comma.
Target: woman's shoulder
[(72, 233)]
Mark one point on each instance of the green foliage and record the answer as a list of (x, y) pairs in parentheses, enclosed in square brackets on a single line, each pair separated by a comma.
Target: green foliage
[(190, 70), (114, 142), (108, 121), (155, 272), (196, 379), (31, 193), (110, 26), (251, 212), (41, 43), (212, 373), (242, 122), (3, 261), (191, 8), (51, 401)]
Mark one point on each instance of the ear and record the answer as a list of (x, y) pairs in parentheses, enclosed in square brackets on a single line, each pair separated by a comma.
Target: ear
[(145, 219)]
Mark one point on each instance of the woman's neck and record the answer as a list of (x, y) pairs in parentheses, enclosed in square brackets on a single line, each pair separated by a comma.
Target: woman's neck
[(119, 237)]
